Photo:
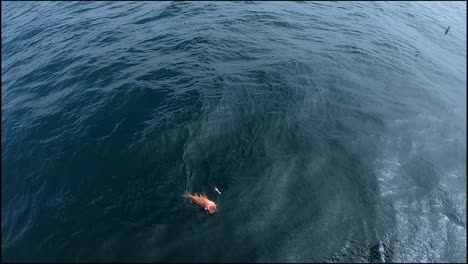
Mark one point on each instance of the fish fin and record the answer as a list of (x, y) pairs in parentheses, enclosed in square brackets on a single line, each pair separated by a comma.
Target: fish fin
[(186, 194)]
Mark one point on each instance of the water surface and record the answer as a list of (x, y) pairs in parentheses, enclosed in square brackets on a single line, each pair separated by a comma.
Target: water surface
[(335, 131)]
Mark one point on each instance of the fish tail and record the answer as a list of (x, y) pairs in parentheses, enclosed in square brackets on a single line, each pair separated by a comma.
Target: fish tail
[(186, 194)]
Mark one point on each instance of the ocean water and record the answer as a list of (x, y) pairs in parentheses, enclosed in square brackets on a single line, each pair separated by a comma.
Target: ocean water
[(336, 131)]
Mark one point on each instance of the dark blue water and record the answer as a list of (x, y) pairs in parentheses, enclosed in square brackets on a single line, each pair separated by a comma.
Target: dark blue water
[(335, 131)]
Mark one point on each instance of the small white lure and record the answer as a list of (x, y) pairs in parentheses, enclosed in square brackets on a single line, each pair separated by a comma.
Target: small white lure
[(216, 190)]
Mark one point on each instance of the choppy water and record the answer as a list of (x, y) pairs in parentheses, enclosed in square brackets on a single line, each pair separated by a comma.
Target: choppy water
[(335, 131)]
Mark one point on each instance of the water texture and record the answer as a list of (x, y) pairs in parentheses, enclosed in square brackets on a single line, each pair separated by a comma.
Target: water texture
[(336, 131)]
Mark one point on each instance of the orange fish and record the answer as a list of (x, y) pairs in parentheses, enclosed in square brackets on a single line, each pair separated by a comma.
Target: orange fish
[(203, 202)]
